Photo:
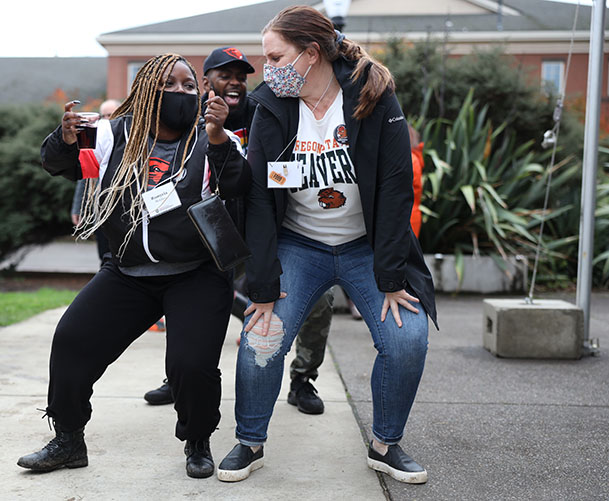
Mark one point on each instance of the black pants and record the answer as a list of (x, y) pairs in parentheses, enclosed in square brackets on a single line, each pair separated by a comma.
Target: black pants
[(113, 310)]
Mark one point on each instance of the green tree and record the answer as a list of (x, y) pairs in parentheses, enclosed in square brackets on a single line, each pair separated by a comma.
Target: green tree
[(432, 84), (34, 207)]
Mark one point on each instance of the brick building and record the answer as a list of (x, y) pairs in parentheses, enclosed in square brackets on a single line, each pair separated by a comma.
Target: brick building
[(536, 32)]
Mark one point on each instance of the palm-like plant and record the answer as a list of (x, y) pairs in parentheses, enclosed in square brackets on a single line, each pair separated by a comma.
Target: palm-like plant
[(484, 193)]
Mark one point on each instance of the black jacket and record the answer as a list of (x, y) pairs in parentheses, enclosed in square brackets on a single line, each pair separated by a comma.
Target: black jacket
[(379, 148), (170, 237)]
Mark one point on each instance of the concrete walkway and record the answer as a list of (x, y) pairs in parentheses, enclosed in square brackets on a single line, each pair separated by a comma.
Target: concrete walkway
[(61, 256), (133, 454)]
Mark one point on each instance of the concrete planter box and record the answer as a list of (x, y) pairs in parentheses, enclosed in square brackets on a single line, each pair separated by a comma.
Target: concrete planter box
[(481, 274), (547, 328)]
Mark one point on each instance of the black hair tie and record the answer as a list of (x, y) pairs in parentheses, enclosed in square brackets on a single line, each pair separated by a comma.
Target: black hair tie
[(339, 37)]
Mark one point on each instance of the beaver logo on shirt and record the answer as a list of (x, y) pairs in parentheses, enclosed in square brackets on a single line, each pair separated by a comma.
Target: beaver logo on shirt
[(157, 167), (340, 134), (329, 198)]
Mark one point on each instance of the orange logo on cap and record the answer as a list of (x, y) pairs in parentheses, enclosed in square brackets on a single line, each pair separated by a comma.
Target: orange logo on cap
[(236, 53)]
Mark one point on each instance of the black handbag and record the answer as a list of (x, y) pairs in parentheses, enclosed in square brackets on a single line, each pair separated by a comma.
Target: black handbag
[(217, 229), (218, 232)]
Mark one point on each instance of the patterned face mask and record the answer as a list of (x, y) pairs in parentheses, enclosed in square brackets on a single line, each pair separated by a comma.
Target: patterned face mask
[(285, 81)]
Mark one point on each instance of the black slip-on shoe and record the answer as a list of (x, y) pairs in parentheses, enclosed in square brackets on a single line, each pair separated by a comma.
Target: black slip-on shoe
[(397, 464), (239, 463), (304, 395), (161, 396), (199, 462)]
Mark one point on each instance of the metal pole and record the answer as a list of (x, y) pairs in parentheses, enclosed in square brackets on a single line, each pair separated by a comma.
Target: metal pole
[(500, 15), (588, 196)]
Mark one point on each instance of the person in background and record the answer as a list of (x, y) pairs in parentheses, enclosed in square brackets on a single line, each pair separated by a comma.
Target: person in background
[(326, 103), (416, 147), (225, 72), (108, 107), (153, 149)]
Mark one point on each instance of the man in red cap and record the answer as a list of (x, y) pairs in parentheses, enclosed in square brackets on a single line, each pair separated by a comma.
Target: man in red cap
[(225, 72)]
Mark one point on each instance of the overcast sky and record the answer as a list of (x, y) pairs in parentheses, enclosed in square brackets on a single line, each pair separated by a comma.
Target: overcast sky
[(46, 28)]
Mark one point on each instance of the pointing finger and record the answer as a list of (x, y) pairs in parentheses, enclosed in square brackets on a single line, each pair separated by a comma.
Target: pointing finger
[(70, 105)]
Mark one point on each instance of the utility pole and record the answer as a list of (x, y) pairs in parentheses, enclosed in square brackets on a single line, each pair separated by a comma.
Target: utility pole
[(500, 15), (590, 161)]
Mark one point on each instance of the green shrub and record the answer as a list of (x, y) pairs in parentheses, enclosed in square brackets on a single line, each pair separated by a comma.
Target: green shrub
[(484, 194), (34, 206), (485, 170)]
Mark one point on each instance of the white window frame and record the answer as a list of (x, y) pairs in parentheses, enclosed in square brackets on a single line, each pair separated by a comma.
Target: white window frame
[(551, 66), (132, 68)]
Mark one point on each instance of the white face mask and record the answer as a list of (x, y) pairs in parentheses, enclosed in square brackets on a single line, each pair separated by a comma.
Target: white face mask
[(285, 81)]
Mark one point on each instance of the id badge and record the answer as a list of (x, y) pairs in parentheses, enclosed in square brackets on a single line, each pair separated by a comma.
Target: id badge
[(161, 199), (284, 174)]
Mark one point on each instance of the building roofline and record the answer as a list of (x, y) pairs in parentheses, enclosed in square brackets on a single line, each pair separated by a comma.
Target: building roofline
[(461, 36), (458, 43)]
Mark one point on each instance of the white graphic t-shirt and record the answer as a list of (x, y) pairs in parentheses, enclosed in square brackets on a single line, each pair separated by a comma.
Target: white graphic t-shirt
[(327, 207)]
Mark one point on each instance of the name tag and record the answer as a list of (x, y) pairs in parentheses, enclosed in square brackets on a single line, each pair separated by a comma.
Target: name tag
[(161, 199), (284, 174)]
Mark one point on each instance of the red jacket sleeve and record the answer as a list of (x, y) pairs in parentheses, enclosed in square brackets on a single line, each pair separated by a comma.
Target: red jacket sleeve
[(417, 185)]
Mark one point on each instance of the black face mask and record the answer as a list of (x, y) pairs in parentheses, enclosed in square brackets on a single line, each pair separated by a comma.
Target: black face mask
[(178, 110)]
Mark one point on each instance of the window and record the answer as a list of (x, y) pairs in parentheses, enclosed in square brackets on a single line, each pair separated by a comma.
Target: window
[(132, 69), (552, 76)]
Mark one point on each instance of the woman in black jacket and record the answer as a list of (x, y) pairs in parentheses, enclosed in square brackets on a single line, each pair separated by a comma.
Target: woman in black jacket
[(330, 204), (158, 266)]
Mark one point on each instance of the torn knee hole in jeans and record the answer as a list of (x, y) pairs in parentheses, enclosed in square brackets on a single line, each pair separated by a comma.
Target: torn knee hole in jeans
[(266, 347)]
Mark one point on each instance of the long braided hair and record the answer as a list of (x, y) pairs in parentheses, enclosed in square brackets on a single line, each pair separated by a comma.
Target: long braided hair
[(131, 176)]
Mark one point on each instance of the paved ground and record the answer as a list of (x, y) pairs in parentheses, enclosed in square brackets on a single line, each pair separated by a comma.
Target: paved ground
[(485, 428), (491, 428), (133, 454)]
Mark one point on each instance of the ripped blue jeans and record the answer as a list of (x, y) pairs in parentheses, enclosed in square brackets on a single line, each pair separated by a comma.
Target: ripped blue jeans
[(310, 268)]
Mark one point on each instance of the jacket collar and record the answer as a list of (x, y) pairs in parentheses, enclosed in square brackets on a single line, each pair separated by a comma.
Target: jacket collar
[(343, 69), (280, 107)]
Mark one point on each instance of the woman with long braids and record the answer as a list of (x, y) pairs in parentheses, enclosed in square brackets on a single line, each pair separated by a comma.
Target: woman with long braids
[(154, 141), (330, 204)]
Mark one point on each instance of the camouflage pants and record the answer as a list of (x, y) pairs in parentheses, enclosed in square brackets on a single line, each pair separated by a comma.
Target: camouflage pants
[(312, 338)]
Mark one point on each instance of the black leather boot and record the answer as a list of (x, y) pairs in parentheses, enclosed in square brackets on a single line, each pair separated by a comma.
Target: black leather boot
[(161, 396), (304, 395), (199, 463), (67, 449)]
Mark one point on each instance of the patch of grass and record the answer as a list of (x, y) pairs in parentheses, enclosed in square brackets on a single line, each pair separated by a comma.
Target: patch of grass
[(18, 306)]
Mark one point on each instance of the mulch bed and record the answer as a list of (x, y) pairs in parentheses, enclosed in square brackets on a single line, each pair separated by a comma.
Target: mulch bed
[(14, 282)]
